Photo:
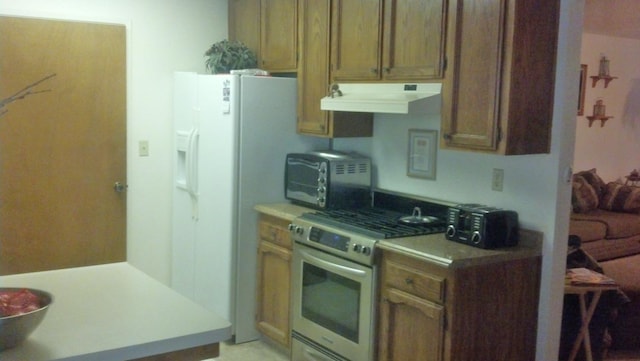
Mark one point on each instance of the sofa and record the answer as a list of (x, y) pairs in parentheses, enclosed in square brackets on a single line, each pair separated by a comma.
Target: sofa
[(606, 217)]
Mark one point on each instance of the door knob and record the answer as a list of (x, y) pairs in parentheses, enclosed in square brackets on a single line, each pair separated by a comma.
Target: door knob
[(119, 187)]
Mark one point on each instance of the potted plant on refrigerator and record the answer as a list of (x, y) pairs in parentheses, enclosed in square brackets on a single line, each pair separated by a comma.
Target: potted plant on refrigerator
[(225, 55)]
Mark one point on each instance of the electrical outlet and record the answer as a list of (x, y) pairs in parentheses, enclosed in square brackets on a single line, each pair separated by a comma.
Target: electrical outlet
[(143, 148), (497, 179)]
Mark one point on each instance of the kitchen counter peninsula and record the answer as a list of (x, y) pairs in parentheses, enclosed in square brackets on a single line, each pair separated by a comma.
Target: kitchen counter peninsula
[(114, 312)]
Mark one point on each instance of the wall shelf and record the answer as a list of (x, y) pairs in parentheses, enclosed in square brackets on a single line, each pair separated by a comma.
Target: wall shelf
[(602, 119), (607, 79)]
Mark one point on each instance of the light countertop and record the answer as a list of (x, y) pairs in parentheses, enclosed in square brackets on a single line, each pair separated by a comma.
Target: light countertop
[(433, 248), (112, 312)]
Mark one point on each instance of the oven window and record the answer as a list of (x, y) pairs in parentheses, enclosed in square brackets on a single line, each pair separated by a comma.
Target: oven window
[(331, 301)]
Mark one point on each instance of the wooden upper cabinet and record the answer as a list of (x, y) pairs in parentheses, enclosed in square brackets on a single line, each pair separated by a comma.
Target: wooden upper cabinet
[(414, 39), (387, 40), (356, 39), (279, 35), (498, 93), (244, 23), (313, 79), (268, 27)]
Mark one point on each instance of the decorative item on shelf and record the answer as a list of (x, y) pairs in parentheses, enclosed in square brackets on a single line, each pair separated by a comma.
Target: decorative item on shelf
[(603, 70), (599, 113), (603, 73), (633, 178), (225, 55)]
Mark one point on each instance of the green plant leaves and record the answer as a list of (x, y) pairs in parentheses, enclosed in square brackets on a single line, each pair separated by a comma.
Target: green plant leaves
[(225, 55)]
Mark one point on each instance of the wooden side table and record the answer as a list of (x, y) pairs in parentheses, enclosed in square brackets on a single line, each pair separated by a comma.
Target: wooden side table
[(586, 313)]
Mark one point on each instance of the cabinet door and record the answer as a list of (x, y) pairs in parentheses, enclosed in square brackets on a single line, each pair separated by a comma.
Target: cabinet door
[(414, 39), (279, 35), (274, 279), (313, 74), (356, 33), (244, 23), (313, 79), (498, 92), (471, 92), (411, 328)]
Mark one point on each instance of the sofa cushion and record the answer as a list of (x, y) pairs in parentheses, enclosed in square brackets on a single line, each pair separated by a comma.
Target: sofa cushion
[(607, 249), (619, 225), (588, 230), (621, 198), (592, 177), (584, 197)]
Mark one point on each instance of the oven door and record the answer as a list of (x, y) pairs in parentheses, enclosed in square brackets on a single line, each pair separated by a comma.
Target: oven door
[(333, 302)]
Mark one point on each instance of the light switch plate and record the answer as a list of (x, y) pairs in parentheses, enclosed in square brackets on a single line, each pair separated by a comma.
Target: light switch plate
[(143, 148), (497, 179)]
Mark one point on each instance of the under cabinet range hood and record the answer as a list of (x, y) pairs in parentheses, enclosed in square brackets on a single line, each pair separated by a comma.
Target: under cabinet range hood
[(395, 98)]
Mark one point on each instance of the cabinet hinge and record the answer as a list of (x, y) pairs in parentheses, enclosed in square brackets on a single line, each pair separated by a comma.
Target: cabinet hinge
[(499, 135), (445, 62)]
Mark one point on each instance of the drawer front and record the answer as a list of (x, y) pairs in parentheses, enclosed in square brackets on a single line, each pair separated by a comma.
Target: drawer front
[(275, 230), (414, 281)]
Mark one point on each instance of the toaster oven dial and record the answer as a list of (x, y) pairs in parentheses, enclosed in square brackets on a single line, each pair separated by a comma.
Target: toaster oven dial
[(451, 230), (476, 237)]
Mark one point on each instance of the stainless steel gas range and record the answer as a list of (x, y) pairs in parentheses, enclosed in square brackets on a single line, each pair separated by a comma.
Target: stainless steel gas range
[(335, 274)]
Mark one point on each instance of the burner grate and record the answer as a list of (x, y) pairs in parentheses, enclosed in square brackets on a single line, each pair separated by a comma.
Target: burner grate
[(379, 223)]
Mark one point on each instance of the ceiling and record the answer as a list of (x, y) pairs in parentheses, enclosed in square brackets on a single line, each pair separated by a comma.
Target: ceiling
[(619, 18)]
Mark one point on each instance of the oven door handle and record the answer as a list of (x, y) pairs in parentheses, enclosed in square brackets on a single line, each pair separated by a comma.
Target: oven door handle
[(336, 268)]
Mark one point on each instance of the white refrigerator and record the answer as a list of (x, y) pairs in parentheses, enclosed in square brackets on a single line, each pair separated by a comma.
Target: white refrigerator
[(231, 137)]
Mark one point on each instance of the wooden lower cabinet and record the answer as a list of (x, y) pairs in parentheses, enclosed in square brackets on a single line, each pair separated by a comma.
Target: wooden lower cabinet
[(274, 279), (405, 320), (481, 312)]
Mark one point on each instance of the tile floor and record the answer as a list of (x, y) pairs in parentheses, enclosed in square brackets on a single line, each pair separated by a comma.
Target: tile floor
[(250, 351), (263, 351)]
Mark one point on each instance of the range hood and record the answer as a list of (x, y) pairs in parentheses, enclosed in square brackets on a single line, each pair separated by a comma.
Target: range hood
[(395, 98)]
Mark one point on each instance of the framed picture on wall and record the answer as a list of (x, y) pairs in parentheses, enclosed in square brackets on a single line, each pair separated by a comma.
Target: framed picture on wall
[(421, 160), (583, 81)]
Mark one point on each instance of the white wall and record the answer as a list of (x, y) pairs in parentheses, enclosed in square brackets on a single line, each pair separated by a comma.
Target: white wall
[(614, 150), (162, 36), (535, 186)]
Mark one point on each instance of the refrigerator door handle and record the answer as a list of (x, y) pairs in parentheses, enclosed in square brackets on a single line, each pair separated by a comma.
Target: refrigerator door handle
[(191, 172), (192, 163)]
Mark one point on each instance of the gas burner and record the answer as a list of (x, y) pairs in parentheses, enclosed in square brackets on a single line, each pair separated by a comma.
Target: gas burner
[(374, 222)]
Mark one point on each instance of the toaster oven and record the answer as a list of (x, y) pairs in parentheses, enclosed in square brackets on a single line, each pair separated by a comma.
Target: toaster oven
[(328, 179)]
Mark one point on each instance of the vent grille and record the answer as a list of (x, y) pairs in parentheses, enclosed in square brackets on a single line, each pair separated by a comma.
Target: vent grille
[(352, 168)]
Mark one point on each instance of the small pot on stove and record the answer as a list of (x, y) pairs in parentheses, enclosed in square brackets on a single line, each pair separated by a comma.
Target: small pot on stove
[(416, 218)]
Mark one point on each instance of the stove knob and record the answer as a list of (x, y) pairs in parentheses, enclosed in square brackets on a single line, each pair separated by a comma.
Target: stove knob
[(299, 230), (366, 250), (356, 248), (291, 227)]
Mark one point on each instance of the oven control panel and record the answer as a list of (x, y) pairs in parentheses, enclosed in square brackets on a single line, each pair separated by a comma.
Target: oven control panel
[(334, 240)]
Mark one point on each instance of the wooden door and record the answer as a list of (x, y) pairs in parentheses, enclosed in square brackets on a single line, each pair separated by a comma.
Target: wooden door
[(62, 150)]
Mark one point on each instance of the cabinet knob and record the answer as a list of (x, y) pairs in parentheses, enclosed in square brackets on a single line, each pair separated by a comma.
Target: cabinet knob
[(374, 70), (408, 281), (387, 70), (447, 137)]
